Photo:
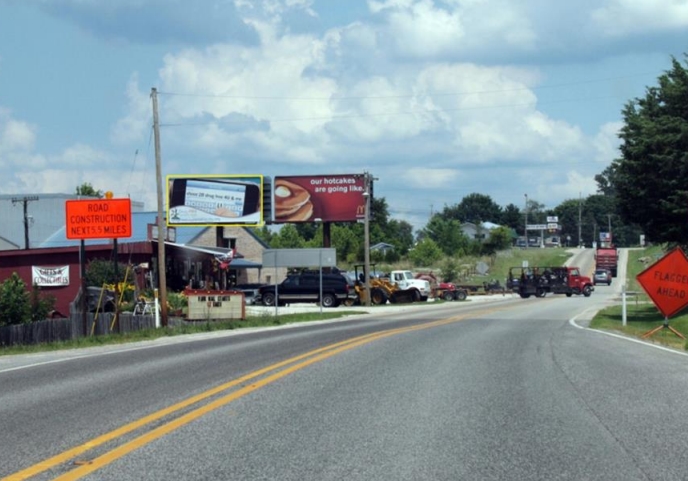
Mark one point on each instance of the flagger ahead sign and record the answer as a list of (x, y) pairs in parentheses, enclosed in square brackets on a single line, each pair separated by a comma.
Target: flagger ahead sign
[(666, 282), (98, 218)]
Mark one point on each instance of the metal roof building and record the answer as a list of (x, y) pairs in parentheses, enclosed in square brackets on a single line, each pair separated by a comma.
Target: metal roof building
[(36, 217)]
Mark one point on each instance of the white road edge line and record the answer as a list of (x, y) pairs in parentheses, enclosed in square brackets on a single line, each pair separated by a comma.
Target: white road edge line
[(572, 321)]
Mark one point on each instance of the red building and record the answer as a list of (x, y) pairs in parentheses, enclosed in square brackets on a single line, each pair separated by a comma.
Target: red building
[(191, 259)]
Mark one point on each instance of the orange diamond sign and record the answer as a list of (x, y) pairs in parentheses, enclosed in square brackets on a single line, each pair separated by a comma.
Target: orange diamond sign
[(666, 282)]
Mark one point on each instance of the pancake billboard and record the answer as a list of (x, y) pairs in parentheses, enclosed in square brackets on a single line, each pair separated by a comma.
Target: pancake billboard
[(330, 198), (210, 200)]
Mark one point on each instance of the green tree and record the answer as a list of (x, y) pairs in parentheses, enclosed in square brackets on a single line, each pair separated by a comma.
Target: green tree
[(446, 234), (15, 302), (263, 233), (425, 253), (287, 238), (567, 212), (512, 217), (102, 271), (500, 239), (399, 233), (474, 208), (651, 178), (86, 189)]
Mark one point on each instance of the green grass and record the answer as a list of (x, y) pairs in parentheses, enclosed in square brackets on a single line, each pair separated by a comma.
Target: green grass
[(641, 314), (186, 328)]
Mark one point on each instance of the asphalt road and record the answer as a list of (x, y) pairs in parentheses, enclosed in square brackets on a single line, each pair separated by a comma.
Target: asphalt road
[(493, 390)]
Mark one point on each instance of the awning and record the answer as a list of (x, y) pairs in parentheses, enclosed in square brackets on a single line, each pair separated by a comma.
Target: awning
[(238, 262)]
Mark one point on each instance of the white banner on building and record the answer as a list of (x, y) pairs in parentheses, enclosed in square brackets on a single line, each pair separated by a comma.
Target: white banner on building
[(50, 276)]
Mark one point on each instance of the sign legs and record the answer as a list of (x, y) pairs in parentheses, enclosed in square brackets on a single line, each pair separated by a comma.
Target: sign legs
[(663, 326)]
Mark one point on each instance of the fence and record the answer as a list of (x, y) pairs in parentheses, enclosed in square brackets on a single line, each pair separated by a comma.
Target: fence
[(56, 330)]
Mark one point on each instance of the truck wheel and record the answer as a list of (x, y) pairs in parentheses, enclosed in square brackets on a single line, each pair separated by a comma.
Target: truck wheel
[(540, 293), (569, 294), (447, 296), (328, 300), (525, 296), (415, 296), (377, 297), (460, 295), (587, 291), (268, 299)]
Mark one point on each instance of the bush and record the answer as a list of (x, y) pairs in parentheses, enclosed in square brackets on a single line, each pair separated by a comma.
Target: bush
[(450, 270), (15, 305), (40, 306)]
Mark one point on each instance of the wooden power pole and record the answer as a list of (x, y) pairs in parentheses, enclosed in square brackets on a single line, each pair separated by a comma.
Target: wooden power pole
[(162, 228)]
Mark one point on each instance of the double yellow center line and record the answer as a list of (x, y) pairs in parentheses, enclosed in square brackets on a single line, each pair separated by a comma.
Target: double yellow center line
[(271, 373)]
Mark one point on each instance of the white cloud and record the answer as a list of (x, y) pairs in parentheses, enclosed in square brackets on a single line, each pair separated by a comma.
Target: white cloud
[(629, 17), (429, 178), (607, 142), (136, 125), (434, 29), (15, 135)]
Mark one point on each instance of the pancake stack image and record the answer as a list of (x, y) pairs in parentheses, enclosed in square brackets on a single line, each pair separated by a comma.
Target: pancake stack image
[(292, 202)]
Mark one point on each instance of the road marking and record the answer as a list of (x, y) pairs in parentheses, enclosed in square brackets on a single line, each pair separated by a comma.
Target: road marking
[(315, 355), (572, 321)]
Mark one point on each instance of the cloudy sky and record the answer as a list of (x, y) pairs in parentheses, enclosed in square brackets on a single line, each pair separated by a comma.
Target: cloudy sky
[(437, 99)]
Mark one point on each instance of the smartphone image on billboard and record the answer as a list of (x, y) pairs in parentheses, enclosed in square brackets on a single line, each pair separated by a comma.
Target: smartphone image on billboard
[(214, 200)]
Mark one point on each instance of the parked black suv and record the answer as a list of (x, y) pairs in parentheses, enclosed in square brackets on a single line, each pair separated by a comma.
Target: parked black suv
[(305, 287)]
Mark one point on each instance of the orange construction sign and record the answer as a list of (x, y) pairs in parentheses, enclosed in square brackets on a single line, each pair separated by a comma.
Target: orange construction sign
[(666, 282), (98, 218)]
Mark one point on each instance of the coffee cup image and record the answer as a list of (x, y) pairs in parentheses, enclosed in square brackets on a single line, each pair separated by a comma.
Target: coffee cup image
[(292, 202)]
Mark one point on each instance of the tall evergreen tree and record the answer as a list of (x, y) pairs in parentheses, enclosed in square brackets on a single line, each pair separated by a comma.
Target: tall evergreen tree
[(651, 177)]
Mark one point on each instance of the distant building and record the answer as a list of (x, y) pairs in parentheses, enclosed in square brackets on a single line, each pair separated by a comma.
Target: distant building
[(479, 232), (382, 247), (45, 214), (192, 258)]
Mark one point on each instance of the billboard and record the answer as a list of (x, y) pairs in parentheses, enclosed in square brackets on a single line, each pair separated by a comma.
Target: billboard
[(329, 198), (209, 200)]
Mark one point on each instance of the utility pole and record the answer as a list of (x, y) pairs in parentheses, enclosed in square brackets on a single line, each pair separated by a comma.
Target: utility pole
[(162, 230), (580, 222), (366, 236), (25, 201), (525, 229)]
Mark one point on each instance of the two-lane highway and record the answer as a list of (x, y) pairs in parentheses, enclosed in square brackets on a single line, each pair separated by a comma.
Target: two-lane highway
[(500, 390)]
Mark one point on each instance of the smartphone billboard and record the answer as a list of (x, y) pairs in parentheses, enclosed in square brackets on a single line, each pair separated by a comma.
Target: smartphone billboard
[(330, 198), (209, 200)]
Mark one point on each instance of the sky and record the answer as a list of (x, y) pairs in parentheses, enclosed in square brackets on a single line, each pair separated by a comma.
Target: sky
[(437, 99)]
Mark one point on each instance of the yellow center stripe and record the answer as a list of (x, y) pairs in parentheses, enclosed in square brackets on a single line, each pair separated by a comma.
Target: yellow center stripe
[(315, 355)]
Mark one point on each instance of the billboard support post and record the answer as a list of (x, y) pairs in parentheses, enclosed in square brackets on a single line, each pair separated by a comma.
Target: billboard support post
[(366, 237)]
